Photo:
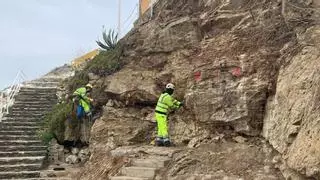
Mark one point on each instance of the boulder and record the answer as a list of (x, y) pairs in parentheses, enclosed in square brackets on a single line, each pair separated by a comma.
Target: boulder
[(72, 159)]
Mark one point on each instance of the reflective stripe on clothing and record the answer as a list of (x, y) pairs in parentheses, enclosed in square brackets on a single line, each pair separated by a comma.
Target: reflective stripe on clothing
[(166, 102)]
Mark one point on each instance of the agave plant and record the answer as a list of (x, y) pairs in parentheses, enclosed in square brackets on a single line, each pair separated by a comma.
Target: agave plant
[(110, 40)]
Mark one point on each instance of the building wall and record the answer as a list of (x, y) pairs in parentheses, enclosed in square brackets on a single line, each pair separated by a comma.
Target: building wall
[(144, 5), (87, 57)]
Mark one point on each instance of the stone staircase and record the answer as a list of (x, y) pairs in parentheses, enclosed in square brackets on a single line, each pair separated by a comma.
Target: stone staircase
[(21, 152), (145, 168)]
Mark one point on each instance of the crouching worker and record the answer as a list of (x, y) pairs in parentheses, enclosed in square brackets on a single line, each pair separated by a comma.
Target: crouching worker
[(83, 106), (165, 103)]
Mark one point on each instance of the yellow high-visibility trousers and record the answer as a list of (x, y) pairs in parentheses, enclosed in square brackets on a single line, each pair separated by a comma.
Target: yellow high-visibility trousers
[(162, 125)]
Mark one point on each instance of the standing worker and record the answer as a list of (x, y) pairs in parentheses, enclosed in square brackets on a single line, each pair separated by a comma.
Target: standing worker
[(83, 104), (165, 103)]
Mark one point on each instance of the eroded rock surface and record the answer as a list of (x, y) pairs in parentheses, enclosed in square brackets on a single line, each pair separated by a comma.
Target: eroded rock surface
[(242, 68)]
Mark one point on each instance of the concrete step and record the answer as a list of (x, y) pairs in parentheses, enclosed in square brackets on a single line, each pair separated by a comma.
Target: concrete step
[(27, 92), (142, 172), (21, 142), (32, 103), (37, 96), (17, 132), (39, 99), (20, 167), (22, 148), (22, 153), (20, 104), (22, 119), (21, 160), (24, 116), (26, 112), (19, 128), (38, 92), (19, 137), (42, 84), (18, 123), (28, 89), (128, 178), (32, 109), (153, 163), (21, 174)]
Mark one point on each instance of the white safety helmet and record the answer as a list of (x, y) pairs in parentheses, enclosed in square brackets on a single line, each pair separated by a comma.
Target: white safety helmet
[(170, 86), (89, 86)]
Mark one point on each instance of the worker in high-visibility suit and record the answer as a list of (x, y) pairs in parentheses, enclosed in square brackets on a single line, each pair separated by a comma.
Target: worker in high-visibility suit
[(81, 95), (84, 114), (165, 103)]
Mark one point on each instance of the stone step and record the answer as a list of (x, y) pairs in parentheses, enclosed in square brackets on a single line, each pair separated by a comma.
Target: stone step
[(32, 109), (39, 89), (42, 84), (22, 148), (22, 121), (53, 92), (20, 118), (21, 174), (21, 142), (39, 99), (19, 128), (153, 163), (128, 178), (16, 132), (32, 103), (19, 137), (18, 123), (22, 153), (22, 115), (20, 167), (37, 96), (21, 160), (142, 172), (26, 112)]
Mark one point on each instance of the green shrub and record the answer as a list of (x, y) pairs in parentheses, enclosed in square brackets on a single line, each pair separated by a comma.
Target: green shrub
[(54, 123), (105, 63)]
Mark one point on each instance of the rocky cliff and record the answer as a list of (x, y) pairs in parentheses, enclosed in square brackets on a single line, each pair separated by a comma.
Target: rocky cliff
[(243, 67)]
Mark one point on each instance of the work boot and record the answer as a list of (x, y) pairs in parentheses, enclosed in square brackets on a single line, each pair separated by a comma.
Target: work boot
[(166, 142), (159, 142)]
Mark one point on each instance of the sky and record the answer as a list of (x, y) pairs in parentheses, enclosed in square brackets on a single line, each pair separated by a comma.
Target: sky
[(39, 35)]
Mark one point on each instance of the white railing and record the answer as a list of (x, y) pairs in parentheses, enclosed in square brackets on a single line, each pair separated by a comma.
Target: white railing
[(7, 99)]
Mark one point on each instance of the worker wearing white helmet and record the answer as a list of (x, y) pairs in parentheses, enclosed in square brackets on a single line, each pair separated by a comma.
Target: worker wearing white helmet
[(165, 103), (82, 95)]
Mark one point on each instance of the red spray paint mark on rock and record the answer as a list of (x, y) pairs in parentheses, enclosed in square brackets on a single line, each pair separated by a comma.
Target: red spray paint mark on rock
[(236, 72), (197, 76)]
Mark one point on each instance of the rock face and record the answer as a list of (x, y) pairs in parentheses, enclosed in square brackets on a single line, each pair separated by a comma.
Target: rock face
[(240, 66), (291, 122), (223, 59)]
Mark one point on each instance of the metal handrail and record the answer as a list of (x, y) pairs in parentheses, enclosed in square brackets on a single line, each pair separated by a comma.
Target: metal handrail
[(7, 102)]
